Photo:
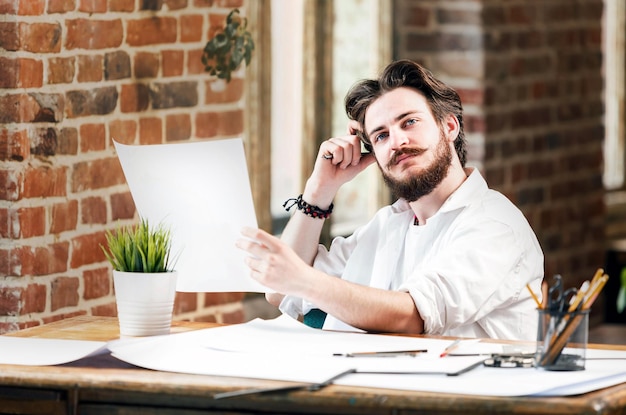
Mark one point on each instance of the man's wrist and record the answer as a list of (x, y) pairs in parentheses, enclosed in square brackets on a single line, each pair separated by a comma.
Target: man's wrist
[(318, 195), (307, 208)]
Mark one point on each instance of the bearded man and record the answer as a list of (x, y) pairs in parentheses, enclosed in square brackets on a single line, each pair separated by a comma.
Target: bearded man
[(449, 257)]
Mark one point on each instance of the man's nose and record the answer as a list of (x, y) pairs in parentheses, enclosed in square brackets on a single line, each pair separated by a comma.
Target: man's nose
[(398, 138)]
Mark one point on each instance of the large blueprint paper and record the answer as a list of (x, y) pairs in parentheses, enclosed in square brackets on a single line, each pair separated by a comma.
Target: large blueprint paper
[(201, 190)]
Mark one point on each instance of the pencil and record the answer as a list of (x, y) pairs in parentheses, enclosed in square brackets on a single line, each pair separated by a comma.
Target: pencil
[(391, 353), (450, 348), (599, 273), (593, 292), (580, 295), (534, 296)]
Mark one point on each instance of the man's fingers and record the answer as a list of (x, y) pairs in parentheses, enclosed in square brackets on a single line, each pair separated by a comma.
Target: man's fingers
[(259, 237), (353, 127)]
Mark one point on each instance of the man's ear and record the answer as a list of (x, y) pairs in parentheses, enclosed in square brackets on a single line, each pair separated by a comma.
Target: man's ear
[(451, 127)]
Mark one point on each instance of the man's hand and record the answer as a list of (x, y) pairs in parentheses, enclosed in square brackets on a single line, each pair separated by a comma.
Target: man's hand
[(274, 264), (339, 160)]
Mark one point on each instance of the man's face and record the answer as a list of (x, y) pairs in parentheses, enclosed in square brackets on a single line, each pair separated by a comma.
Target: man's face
[(413, 153)]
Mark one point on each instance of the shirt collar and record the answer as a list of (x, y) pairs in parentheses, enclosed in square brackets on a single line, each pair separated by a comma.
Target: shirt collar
[(474, 187)]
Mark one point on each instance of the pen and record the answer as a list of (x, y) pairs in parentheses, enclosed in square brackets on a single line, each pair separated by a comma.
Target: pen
[(451, 347), (391, 353)]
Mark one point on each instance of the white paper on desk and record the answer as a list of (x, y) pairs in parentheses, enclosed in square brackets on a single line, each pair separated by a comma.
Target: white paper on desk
[(476, 346), (482, 380), (284, 335), (182, 353), (283, 349), (201, 190), (33, 351), (273, 349)]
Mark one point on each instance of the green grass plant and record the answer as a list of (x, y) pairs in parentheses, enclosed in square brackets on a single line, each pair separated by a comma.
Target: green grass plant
[(140, 248)]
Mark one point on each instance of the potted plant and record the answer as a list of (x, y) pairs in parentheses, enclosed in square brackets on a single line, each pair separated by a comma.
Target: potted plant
[(143, 277)]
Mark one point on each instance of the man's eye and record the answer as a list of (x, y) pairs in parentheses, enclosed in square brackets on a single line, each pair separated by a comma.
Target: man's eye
[(411, 121), (380, 137)]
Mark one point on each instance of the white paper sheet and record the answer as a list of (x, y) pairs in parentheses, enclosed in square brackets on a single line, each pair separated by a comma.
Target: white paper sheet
[(271, 347), (201, 190), (182, 353), (287, 350), (32, 351), (284, 349), (284, 335), (504, 381)]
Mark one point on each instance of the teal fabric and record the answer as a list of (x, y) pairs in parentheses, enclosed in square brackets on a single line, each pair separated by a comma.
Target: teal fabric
[(315, 318)]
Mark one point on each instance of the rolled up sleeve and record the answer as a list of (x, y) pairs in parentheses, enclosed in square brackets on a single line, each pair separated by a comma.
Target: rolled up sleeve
[(479, 271)]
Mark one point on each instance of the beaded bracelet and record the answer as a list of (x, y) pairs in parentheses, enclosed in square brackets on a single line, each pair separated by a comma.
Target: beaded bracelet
[(310, 210)]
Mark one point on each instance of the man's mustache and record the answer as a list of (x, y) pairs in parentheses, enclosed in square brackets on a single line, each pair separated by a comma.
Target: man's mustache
[(412, 151)]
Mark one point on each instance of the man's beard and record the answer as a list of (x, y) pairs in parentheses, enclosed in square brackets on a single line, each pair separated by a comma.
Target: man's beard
[(425, 181)]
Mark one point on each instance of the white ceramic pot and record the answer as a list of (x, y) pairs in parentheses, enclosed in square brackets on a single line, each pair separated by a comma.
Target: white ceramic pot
[(145, 302)]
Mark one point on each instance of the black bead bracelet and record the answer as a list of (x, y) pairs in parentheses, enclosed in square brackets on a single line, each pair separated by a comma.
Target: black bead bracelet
[(308, 209)]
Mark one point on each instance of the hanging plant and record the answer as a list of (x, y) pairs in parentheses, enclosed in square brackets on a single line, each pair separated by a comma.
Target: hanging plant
[(229, 48)]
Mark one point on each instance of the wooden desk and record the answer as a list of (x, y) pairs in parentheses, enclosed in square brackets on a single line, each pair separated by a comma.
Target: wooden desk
[(104, 385)]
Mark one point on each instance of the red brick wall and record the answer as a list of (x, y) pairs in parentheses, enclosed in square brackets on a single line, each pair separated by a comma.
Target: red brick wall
[(530, 76), (73, 75)]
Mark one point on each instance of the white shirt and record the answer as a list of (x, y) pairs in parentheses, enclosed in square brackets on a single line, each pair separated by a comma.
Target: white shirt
[(466, 268)]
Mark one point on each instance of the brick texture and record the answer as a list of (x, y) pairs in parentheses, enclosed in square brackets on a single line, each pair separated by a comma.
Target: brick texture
[(534, 114), (75, 75)]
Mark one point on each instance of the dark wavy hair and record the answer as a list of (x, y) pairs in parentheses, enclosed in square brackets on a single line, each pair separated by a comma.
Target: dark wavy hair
[(442, 99)]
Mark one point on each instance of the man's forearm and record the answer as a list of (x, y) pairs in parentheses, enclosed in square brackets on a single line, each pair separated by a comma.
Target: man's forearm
[(302, 234), (367, 308)]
